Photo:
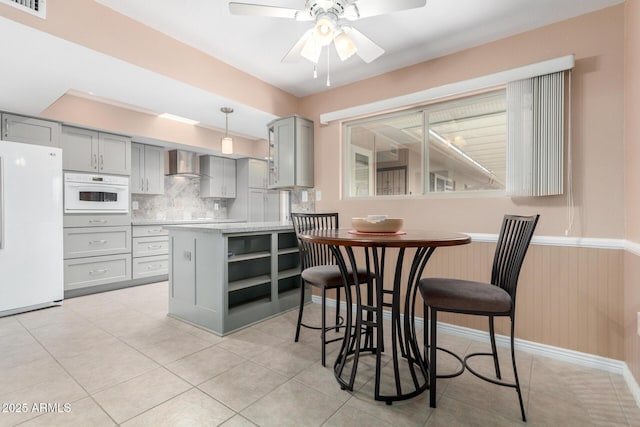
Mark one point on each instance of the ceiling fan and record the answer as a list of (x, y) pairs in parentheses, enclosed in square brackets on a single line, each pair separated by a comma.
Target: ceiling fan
[(329, 17)]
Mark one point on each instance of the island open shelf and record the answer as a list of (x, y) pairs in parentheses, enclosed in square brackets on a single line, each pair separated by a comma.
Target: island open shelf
[(223, 277)]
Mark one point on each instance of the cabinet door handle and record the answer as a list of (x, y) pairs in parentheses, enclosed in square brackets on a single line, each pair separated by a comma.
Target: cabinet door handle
[(147, 185), (97, 242), (154, 266), (97, 221), (154, 230), (101, 162), (95, 161), (154, 247), (99, 271), (6, 127), (141, 184)]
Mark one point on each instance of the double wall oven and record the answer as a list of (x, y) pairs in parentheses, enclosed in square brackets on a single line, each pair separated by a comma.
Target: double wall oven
[(93, 193)]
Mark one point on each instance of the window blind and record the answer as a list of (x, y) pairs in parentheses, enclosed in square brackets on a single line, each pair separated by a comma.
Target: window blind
[(535, 135)]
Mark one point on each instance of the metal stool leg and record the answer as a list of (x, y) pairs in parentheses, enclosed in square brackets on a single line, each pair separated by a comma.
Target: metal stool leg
[(492, 336), (323, 331), (302, 286), (338, 309)]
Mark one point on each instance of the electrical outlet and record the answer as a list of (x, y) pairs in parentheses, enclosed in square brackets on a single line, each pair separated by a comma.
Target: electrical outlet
[(318, 195), (305, 196), (216, 206), (134, 205)]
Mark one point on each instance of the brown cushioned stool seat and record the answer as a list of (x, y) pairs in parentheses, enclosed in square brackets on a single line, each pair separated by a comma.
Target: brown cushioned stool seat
[(329, 276), (465, 296)]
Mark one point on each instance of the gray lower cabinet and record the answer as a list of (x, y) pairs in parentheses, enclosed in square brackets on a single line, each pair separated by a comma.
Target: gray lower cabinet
[(96, 241), (97, 250), (30, 130), (150, 251), (93, 271), (224, 282)]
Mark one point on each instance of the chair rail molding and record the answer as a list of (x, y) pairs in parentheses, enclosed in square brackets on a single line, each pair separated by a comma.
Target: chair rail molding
[(577, 242), (632, 247)]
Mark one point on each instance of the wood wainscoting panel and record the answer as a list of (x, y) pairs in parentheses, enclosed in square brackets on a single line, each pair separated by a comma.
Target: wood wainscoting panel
[(568, 297), (631, 310)]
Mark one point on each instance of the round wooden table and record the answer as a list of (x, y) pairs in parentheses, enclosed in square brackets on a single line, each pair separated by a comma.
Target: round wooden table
[(404, 351)]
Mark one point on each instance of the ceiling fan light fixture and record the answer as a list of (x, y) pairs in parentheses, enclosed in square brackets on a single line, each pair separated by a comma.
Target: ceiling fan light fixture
[(344, 46), (325, 28), (311, 49)]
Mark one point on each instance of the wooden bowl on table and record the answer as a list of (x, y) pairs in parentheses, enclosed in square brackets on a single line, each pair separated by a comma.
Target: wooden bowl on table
[(377, 224)]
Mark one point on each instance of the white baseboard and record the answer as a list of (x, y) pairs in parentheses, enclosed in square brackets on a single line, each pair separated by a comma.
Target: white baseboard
[(570, 356)]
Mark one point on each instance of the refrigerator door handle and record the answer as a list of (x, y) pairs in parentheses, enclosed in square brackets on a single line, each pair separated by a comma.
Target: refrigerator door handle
[(1, 204)]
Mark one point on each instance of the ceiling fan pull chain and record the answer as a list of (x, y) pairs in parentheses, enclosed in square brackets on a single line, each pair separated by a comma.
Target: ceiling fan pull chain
[(328, 69)]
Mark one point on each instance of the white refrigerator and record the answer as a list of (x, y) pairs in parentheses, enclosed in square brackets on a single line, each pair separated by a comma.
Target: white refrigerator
[(31, 253)]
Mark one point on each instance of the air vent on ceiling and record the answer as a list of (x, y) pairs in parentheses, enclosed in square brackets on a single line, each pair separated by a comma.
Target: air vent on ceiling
[(34, 7)]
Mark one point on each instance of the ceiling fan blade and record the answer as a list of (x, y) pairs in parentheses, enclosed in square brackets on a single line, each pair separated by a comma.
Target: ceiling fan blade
[(270, 11), (367, 49), (295, 53), (366, 8)]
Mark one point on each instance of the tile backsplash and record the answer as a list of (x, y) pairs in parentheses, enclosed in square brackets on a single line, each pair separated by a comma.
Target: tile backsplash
[(181, 201)]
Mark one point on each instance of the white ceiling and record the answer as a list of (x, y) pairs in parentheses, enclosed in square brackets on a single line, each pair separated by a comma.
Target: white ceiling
[(43, 68), (257, 44)]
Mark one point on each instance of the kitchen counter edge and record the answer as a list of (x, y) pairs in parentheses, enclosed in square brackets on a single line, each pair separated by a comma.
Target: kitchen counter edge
[(185, 221), (246, 227)]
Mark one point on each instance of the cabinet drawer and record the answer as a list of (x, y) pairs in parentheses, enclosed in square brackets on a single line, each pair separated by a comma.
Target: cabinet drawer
[(147, 246), (149, 230), (89, 241), (93, 271), (88, 220), (150, 266)]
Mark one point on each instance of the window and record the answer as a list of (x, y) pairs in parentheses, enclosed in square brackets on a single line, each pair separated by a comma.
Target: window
[(465, 149)]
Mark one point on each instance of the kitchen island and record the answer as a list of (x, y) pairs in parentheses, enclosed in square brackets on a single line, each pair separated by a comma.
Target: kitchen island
[(223, 277)]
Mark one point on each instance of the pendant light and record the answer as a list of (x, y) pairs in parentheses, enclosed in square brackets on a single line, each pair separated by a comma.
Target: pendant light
[(227, 142)]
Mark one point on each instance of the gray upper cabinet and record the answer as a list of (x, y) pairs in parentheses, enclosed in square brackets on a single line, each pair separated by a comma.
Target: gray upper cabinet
[(147, 169), (30, 130), (218, 177), (291, 153), (253, 201), (257, 171), (87, 150)]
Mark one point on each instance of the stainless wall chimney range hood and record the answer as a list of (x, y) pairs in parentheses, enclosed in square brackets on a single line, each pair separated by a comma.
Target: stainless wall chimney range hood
[(183, 163)]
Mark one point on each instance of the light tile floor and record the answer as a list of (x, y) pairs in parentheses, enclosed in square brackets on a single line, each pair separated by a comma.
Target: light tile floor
[(116, 359)]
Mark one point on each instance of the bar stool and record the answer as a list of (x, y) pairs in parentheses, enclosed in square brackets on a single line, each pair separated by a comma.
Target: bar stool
[(319, 270), (494, 299)]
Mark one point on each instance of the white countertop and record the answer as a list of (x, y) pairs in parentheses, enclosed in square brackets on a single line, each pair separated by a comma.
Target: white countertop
[(184, 221), (238, 227)]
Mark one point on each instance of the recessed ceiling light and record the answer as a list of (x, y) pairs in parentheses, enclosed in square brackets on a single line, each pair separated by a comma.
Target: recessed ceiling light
[(178, 118)]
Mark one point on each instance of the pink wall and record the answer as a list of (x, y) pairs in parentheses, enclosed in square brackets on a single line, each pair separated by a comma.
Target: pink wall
[(596, 40), (632, 183), (88, 113)]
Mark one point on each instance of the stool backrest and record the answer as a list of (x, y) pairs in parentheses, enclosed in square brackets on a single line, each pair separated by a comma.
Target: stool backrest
[(313, 254), (515, 235)]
